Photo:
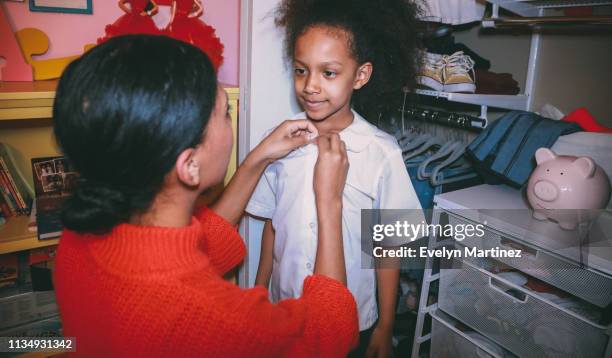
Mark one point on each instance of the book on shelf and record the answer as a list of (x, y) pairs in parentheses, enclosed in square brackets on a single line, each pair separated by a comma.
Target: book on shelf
[(54, 180), (7, 195), (15, 190), (32, 226), (4, 207)]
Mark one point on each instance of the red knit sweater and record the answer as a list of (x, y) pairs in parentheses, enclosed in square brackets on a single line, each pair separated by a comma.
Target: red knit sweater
[(158, 292)]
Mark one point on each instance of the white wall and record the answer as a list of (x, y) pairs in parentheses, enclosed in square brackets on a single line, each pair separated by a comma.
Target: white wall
[(266, 99)]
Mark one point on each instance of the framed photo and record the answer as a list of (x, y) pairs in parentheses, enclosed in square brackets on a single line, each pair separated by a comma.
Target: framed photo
[(44, 168), (65, 6)]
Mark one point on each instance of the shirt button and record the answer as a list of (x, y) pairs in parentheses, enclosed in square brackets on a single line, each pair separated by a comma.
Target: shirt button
[(309, 265), (312, 225)]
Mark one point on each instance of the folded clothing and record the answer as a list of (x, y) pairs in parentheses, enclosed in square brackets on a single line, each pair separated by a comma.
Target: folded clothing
[(488, 82), (504, 151)]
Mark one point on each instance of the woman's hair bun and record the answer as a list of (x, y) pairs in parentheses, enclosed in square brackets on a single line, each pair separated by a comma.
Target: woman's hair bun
[(95, 208)]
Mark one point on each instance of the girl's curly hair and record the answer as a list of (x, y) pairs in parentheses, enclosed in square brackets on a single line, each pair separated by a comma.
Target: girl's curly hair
[(383, 32)]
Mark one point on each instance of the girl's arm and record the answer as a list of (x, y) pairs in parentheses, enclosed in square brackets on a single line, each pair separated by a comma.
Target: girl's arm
[(264, 271), (380, 341), (329, 180), (285, 138), (388, 281)]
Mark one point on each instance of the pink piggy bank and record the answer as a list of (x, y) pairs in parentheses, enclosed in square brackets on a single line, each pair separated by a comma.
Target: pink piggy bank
[(562, 182)]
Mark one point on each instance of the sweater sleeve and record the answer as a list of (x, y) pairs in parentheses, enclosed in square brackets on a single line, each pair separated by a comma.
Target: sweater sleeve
[(323, 322), (221, 241)]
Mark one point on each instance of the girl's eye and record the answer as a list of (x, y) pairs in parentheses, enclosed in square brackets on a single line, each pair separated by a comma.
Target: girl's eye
[(329, 74), (299, 71)]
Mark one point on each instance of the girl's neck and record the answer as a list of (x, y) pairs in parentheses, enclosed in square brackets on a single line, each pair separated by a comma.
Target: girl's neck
[(336, 122)]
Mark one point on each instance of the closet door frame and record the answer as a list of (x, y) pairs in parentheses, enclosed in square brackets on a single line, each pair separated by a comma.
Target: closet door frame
[(266, 99)]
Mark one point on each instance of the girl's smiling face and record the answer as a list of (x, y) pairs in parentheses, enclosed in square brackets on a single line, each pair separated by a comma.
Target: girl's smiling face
[(326, 73)]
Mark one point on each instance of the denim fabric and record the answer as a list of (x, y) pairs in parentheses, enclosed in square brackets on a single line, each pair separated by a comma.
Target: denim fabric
[(504, 152)]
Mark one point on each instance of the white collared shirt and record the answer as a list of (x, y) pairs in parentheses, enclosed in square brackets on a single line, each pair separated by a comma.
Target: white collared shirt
[(377, 179)]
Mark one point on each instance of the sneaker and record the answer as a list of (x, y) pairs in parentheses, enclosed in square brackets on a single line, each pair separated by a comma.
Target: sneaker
[(458, 73), (431, 71)]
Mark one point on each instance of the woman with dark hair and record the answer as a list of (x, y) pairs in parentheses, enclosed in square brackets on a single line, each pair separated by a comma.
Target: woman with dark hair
[(139, 270)]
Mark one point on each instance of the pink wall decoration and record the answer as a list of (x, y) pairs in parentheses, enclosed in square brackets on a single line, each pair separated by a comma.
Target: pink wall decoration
[(68, 33), (15, 68)]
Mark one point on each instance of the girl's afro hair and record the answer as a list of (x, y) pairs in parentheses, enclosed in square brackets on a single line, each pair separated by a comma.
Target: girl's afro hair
[(383, 32)]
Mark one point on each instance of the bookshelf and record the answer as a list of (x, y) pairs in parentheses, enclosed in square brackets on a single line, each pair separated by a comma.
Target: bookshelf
[(26, 126), (14, 236), (26, 100)]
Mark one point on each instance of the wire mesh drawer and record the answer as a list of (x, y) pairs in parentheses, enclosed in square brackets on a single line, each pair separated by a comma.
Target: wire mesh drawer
[(570, 277), (514, 317), (447, 340)]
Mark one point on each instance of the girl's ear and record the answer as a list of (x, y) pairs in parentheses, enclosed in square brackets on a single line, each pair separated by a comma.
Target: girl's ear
[(187, 168), (364, 72)]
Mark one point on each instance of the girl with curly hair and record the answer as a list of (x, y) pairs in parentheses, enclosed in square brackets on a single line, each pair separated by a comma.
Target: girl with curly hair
[(345, 64)]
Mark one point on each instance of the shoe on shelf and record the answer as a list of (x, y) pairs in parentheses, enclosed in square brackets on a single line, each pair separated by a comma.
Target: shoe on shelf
[(458, 73), (430, 74)]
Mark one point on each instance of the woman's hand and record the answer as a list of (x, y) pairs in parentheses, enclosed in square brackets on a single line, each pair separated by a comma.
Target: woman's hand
[(289, 135), (331, 168)]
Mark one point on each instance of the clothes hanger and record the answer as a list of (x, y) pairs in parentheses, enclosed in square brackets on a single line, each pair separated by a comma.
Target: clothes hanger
[(431, 142), (407, 137), (443, 152), (416, 142), (436, 179)]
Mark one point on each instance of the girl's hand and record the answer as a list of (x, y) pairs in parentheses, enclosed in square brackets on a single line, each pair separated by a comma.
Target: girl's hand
[(289, 135), (331, 168), (380, 345)]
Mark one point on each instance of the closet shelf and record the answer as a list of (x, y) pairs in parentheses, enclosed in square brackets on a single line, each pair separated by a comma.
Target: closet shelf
[(15, 236), (532, 8), (518, 102)]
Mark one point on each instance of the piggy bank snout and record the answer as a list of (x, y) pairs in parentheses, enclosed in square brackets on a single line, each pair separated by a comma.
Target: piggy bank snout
[(546, 190)]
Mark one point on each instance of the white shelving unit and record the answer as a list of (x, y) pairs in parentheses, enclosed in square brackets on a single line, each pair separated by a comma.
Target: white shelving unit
[(525, 8), (582, 270), (518, 102), (535, 8)]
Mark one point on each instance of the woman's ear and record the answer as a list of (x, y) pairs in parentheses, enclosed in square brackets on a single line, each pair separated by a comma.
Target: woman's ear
[(364, 72), (187, 168)]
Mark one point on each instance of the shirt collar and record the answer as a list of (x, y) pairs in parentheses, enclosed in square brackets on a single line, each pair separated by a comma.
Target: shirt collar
[(357, 136)]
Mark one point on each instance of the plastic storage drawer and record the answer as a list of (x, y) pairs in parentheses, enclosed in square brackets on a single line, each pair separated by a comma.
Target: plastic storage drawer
[(449, 341), (528, 326), (581, 282)]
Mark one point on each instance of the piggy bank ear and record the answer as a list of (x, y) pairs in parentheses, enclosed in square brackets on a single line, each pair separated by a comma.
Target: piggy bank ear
[(544, 154), (585, 166)]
